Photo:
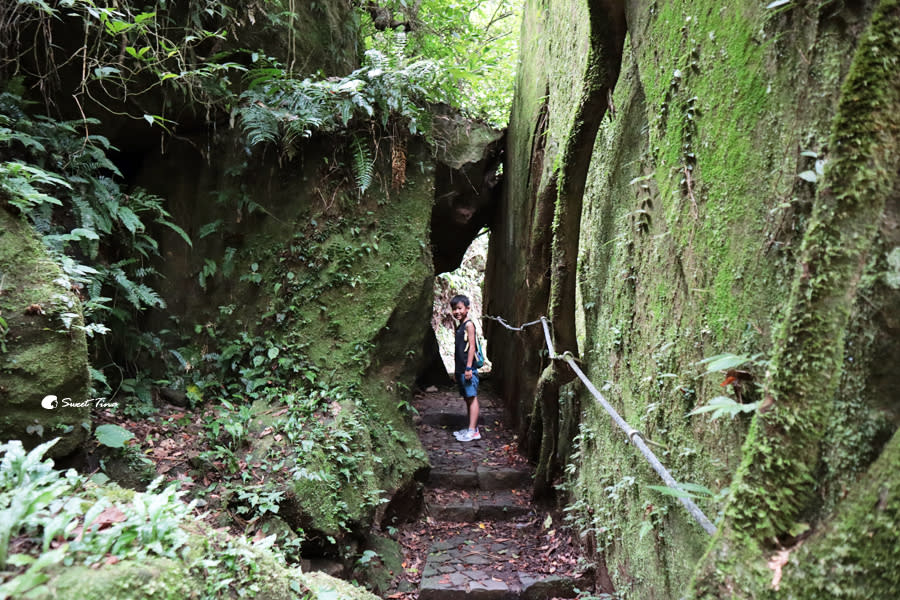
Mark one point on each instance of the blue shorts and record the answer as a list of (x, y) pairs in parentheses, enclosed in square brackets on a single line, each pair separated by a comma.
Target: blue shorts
[(467, 389)]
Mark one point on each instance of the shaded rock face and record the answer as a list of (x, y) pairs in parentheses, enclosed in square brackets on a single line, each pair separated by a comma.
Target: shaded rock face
[(39, 358), (726, 210), (434, 372)]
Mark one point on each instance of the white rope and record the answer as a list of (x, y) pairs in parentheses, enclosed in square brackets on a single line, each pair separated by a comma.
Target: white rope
[(635, 436), (508, 326)]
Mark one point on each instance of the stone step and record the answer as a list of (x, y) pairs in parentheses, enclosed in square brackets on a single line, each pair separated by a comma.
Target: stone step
[(469, 507), (484, 478), (453, 419), (464, 569)]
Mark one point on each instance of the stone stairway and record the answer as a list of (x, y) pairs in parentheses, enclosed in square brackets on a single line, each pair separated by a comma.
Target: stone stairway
[(489, 542)]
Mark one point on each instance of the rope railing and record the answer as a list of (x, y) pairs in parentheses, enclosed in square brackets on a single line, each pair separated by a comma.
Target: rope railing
[(634, 436)]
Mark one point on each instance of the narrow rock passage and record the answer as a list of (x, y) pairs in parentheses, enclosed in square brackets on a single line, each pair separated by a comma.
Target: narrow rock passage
[(480, 537)]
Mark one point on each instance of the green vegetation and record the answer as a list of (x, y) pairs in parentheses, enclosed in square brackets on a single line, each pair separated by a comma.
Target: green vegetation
[(276, 279), (105, 234), (294, 384), (474, 41), (158, 59), (147, 545), (40, 507), (106, 242)]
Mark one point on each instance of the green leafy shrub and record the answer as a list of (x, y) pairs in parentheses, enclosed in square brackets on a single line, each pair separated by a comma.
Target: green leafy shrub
[(65, 519), (283, 110), (475, 41)]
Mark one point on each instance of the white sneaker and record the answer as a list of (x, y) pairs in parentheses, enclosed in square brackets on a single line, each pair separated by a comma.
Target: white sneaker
[(469, 436), (460, 432)]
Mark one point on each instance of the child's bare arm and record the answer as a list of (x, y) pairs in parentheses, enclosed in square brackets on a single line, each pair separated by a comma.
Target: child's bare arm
[(470, 359)]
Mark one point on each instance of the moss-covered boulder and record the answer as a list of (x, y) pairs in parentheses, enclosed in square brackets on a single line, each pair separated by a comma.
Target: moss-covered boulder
[(250, 572), (833, 563), (314, 311), (44, 379), (326, 587)]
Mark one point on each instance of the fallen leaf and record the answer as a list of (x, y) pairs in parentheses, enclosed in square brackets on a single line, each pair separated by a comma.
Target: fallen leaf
[(260, 535), (110, 515)]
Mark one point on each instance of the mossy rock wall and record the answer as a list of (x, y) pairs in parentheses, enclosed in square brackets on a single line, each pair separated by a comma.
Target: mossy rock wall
[(550, 78), (39, 357), (719, 216)]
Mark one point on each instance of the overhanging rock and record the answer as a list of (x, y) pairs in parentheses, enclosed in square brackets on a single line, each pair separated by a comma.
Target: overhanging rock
[(467, 184)]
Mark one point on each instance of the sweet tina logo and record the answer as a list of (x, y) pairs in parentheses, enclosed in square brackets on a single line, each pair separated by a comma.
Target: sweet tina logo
[(51, 402)]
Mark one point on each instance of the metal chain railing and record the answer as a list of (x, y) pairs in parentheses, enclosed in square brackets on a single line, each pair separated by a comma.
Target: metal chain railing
[(634, 436)]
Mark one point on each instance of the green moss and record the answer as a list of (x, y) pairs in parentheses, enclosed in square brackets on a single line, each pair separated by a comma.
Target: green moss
[(710, 103), (690, 233), (159, 579), (325, 586), (331, 323), (212, 566), (856, 555), (778, 476), (810, 347), (376, 272), (41, 358), (634, 339)]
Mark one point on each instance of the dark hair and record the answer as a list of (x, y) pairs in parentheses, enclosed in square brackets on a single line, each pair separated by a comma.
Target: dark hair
[(459, 298)]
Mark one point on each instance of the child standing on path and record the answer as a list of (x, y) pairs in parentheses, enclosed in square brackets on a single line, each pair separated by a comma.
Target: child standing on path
[(465, 375)]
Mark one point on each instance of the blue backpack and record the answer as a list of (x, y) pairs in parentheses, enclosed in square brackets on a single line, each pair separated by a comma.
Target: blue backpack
[(478, 361)]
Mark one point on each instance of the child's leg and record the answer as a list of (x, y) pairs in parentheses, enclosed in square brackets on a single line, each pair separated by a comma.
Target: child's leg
[(472, 411), (469, 391)]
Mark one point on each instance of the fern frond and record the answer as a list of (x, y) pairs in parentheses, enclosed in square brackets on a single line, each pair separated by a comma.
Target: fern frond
[(149, 297), (363, 165), (260, 123), (138, 294), (129, 220)]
